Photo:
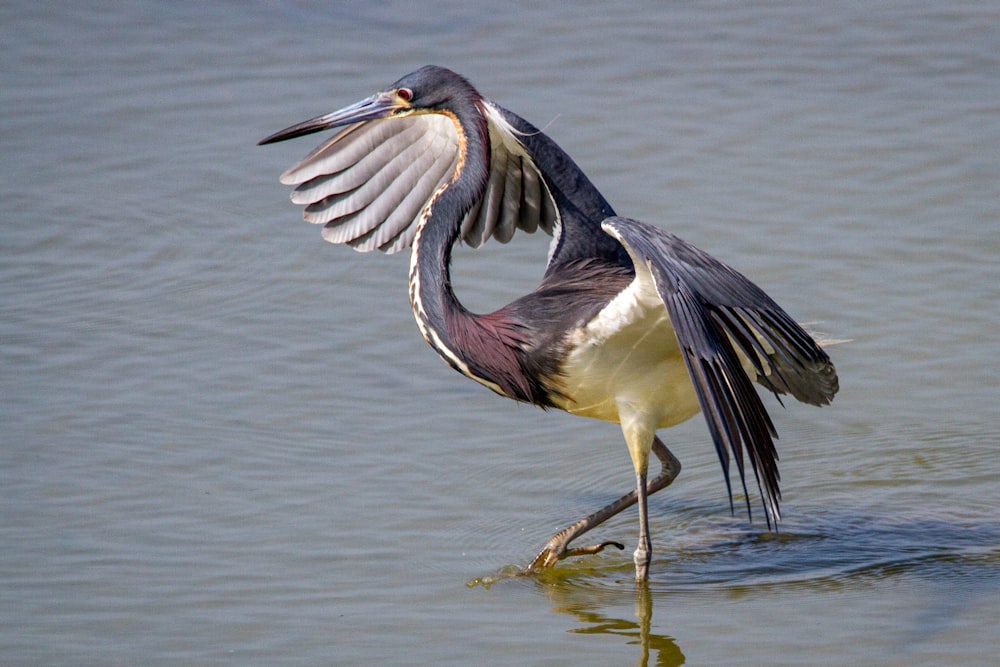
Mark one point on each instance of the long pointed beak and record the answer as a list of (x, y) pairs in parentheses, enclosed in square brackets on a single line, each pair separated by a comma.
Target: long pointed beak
[(379, 105)]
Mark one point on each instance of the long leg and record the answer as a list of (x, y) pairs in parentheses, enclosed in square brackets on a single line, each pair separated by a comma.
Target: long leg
[(557, 549), (644, 551)]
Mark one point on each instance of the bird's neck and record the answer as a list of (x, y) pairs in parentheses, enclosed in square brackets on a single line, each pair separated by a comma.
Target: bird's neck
[(486, 348)]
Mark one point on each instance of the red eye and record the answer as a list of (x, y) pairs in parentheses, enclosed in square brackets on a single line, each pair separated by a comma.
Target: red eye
[(405, 94)]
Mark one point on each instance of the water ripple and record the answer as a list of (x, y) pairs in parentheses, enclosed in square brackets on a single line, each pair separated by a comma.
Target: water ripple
[(837, 551)]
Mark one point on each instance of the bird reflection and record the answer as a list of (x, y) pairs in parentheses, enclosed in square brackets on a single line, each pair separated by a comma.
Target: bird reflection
[(594, 612)]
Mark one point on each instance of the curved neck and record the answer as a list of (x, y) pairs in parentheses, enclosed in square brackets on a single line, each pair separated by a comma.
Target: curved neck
[(486, 348), (431, 295)]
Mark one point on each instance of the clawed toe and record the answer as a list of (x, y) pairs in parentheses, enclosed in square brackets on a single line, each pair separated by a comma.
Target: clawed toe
[(556, 549), (592, 549), (553, 553)]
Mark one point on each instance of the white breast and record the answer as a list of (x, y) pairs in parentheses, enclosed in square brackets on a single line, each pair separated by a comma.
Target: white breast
[(628, 356)]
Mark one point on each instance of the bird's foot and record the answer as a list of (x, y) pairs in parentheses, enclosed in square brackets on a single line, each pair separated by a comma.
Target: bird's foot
[(556, 550)]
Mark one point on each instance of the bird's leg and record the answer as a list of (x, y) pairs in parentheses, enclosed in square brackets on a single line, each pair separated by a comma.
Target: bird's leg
[(639, 438), (644, 552), (556, 549)]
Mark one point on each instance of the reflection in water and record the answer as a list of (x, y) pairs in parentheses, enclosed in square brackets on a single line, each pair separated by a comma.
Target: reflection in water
[(572, 590), (960, 560), (591, 608)]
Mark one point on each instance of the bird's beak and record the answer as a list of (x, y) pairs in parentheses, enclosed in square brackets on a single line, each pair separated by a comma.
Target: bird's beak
[(379, 105)]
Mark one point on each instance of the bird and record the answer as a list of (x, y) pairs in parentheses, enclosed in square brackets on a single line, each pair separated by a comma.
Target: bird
[(629, 324)]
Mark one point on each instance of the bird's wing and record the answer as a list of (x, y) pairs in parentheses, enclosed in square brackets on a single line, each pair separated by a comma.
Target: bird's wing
[(516, 195), (368, 184), (580, 206), (726, 325)]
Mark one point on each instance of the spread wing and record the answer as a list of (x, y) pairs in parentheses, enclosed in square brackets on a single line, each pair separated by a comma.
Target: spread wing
[(368, 184), (726, 327)]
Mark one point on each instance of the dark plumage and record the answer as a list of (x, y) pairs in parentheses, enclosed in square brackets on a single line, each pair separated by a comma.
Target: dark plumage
[(629, 324)]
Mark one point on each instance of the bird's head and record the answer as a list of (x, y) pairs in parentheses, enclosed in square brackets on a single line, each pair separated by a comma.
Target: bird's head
[(430, 89)]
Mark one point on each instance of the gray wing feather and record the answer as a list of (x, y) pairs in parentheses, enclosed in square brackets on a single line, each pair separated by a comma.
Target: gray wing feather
[(719, 315), (370, 182), (531, 197), (348, 163), (399, 228), (511, 205), (325, 204), (490, 208)]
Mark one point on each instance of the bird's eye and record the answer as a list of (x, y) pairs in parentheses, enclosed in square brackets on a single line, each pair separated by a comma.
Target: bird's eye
[(405, 94)]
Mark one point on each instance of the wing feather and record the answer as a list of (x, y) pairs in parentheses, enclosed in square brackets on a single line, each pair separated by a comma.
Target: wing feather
[(357, 174), (530, 213), (344, 149), (369, 183), (384, 185), (411, 184), (510, 212), (727, 326), (489, 211)]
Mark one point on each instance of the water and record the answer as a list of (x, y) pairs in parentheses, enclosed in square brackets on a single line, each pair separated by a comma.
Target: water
[(223, 441)]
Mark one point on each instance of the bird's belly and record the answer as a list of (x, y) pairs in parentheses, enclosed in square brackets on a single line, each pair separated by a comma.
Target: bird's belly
[(627, 356)]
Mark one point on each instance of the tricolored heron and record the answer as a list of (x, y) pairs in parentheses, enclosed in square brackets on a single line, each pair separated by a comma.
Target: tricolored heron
[(630, 324)]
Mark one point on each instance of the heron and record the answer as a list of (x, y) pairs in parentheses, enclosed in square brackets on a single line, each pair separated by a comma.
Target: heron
[(629, 323)]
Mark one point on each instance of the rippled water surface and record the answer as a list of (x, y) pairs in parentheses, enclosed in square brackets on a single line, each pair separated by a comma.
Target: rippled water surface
[(224, 442)]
